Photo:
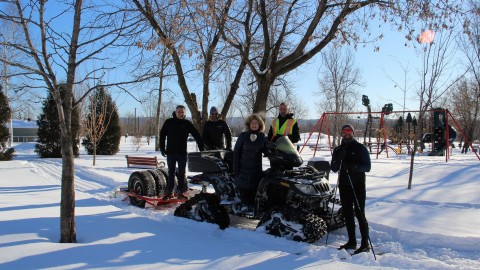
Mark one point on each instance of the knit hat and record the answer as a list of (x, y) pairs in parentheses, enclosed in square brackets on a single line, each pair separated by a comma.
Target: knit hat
[(348, 126), (213, 109)]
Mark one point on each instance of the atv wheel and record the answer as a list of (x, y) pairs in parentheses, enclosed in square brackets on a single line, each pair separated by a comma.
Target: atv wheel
[(141, 183), (337, 221), (308, 229), (204, 207), (160, 182), (164, 171), (273, 222), (314, 228)]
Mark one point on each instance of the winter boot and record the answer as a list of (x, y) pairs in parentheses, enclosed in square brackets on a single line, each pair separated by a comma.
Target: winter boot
[(349, 245), (167, 197), (364, 247), (182, 196)]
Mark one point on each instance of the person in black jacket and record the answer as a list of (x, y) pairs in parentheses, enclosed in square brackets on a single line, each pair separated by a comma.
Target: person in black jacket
[(215, 130), (284, 124), (247, 158), (352, 159), (177, 129)]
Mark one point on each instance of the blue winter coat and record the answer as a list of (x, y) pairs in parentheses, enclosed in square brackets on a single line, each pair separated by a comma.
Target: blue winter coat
[(247, 159)]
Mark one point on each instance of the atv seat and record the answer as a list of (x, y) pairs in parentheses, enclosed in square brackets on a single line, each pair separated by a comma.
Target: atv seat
[(320, 165), (213, 161)]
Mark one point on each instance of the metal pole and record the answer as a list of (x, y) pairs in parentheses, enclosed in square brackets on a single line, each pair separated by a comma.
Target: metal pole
[(333, 205), (361, 210)]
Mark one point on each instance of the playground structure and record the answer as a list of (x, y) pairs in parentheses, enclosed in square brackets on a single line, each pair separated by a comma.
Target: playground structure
[(438, 131)]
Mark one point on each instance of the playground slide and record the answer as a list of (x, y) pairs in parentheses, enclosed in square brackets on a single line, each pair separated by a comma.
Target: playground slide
[(441, 145)]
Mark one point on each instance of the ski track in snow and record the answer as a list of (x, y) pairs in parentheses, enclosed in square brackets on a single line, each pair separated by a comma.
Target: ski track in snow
[(371, 202), (85, 180), (394, 245)]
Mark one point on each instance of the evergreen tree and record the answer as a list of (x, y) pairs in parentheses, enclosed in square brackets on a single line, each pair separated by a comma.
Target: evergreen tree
[(48, 142), (106, 109)]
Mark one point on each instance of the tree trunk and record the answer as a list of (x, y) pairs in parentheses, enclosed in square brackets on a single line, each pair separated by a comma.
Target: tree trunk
[(94, 152), (67, 205), (412, 161), (260, 106), (159, 105), (68, 229), (196, 116), (157, 118), (233, 88), (415, 145), (68, 233), (206, 91)]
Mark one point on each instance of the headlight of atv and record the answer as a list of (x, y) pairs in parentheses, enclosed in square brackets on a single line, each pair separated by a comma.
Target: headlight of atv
[(307, 189)]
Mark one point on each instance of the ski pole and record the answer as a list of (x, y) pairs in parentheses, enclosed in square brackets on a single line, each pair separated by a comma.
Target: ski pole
[(333, 206), (362, 212)]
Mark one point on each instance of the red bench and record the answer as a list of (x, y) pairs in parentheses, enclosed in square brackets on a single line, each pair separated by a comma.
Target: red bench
[(144, 161)]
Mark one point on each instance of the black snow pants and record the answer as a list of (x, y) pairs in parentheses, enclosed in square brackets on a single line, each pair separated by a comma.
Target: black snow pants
[(347, 197)]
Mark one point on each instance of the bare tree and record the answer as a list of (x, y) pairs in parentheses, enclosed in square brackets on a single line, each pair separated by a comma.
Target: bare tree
[(469, 43), (163, 65), (195, 38), (464, 101), (283, 91), (287, 34), (466, 94), (127, 124), (55, 56), (98, 118), (436, 78), (436, 75), (404, 84), (82, 105), (339, 79), (146, 70), (245, 99), (9, 32), (150, 107)]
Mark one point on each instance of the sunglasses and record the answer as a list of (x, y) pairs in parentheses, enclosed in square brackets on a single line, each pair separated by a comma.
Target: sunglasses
[(347, 131), (214, 114)]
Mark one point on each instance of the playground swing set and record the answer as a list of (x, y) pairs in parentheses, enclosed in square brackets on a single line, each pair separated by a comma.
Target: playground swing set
[(441, 129)]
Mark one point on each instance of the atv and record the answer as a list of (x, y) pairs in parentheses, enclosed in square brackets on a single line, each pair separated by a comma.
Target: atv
[(291, 201)]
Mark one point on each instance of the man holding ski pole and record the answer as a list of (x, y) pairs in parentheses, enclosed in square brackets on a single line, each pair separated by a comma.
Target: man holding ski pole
[(352, 159)]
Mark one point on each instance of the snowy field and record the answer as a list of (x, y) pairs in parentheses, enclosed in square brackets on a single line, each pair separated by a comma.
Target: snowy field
[(435, 225)]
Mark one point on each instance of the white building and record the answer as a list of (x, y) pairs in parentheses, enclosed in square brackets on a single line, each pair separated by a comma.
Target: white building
[(23, 130)]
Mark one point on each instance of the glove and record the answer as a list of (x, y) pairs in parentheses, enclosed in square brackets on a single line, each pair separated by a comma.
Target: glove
[(163, 153)]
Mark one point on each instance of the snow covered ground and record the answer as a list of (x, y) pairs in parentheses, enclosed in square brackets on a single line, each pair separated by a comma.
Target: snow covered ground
[(435, 225)]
